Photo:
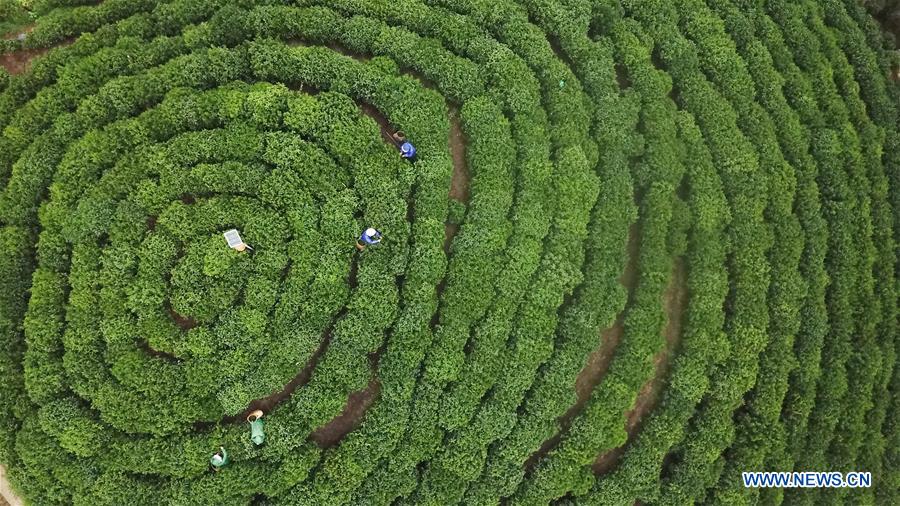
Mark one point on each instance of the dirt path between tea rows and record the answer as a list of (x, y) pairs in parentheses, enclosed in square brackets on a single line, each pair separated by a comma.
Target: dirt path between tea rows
[(674, 300), (18, 62), (598, 361)]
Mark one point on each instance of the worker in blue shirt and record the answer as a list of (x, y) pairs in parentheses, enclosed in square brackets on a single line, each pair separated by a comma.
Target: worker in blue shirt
[(368, 237), (407, 150)]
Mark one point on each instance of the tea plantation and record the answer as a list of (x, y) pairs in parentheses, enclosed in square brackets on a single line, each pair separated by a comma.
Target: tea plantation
[(643, 247)]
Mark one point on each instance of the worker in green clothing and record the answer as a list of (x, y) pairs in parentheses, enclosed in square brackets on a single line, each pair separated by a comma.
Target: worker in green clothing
[(256, 427), (219, 459)]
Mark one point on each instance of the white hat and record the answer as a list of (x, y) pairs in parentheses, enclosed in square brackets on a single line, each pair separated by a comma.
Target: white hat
[(370, 232)]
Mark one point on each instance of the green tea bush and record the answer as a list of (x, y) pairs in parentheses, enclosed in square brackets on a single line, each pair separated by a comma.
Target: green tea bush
[(520, 345)]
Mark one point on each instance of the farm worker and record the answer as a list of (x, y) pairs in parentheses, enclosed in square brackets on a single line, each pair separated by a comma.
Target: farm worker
[(369, 236), (407, 150), (219, 459), (256, 427), (233, 238)]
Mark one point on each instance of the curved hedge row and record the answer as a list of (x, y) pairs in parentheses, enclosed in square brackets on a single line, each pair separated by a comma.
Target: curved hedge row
[(754, 144)]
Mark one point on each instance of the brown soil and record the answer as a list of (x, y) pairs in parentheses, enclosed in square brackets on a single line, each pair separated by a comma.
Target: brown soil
[(622, 77), (368, 109), (332, 432), (418, 76), (346, 52), (599, 360), (15, 33), (674, 300), (145, 347), (357, 402), (267, 404), (556, 46), (334, 46), (450, 230), (387, 130), (459, 185), (19, 62), (183, 322)]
